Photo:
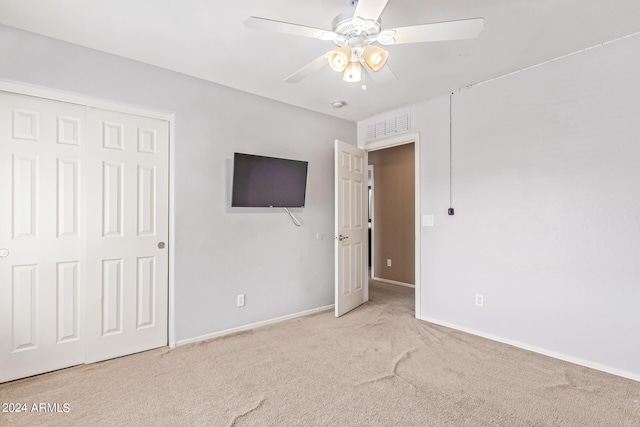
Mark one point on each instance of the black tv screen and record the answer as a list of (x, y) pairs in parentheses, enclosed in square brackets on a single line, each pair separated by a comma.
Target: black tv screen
[(260, 181)]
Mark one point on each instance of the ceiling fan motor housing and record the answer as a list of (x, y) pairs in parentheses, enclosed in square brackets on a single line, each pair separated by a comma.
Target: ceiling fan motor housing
[(345, 26)]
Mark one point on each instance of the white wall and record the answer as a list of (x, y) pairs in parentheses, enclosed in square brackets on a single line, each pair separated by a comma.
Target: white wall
[(546, 175), (219, 252)]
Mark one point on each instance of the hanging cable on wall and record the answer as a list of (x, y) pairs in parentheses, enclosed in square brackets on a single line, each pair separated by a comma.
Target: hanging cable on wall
[(450, 210)]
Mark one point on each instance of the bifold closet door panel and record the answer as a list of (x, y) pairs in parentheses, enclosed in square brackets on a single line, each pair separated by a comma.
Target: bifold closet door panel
[(42, 194), (127, 252)]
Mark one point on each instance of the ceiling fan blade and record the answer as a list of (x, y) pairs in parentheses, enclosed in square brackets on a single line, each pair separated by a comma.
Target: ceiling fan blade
[(308, 69), (288, 28), (384, 75), (440, 31), (370, 9)]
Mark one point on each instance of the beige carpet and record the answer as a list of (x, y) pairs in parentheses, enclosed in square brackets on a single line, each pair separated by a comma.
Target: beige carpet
[(376, 366)]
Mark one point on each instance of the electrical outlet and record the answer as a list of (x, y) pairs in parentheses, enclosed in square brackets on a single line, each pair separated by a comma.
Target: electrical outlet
[(388, 263), (479, 300), (241, 300)]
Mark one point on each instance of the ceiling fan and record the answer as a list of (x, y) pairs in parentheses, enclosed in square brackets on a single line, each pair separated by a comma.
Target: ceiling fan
[(356, 34)]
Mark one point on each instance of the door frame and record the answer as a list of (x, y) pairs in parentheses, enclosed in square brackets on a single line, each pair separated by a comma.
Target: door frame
[(371, 204), (94, 102), (393, 142)]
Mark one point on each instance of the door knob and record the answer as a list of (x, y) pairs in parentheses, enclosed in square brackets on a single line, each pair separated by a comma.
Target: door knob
[(161, 245), (341, 237), (4, 253)]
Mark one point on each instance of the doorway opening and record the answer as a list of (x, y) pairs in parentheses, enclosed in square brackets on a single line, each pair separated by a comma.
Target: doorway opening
[(394, 210)]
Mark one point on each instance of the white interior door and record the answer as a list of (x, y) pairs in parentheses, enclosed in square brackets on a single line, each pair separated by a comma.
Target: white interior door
[(127, 255), (351, 280), (41, 232)]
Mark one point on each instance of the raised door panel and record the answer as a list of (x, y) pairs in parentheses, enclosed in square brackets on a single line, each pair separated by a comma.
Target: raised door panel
[(68, 301), (345, 274), (68, 197), (24, 302), (146, 290), (112, 189), (147, 206), (24, 178), (112, 271)]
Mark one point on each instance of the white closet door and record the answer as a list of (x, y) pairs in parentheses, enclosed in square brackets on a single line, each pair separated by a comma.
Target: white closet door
[(127, 254), (41, 233)]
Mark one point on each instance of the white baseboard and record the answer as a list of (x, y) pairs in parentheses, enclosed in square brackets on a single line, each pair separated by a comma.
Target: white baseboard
[(253, 325), (393, 282), (550, 353)]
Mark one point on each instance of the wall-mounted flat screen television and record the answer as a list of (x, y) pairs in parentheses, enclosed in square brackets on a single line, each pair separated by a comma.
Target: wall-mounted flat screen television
[(260, 181)]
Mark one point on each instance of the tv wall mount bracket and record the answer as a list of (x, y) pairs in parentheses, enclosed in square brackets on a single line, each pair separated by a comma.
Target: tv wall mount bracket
[(293, 218)]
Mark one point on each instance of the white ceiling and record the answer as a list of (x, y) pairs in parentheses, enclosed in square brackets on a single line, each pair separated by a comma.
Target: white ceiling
[(207, 39)]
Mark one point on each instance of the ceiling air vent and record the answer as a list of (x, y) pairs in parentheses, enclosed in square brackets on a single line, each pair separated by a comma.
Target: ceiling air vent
[(389, 127)]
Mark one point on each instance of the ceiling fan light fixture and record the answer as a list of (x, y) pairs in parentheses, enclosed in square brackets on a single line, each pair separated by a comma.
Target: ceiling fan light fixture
[(353, 72), (375, 57), (339, 58)]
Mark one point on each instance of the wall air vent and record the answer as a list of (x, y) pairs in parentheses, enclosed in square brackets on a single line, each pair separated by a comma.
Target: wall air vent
[(389, 127)]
